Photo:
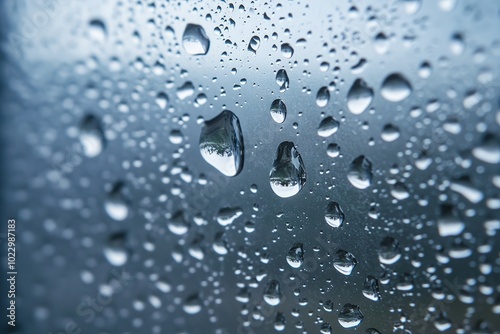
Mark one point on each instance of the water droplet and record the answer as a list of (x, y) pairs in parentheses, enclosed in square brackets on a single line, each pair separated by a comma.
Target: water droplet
[(286, 50), (322, 97), (116, 205), (350, 316), (220, 244), (91, 136), (278, 111), (328, 127), (97, 31), (359, 97), (390, 133), (176, 137), (161, 100), (226, 216), (195, 40), (272, 294), (344, 262), (399, 191), (370, 289), (192, 304), (457, 45), (254, 44), (282, 80), (185, 91), (295, 256), (488, 151), (395, 88), (177, 224), (326, 328), (333, 150), (288, 175), (389, 251), (334, 215), (221, 143), (279, 322), (360, 172), (115, 251)]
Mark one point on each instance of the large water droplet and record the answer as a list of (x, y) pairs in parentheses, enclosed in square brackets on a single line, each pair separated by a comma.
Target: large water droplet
[(272, 294), (359, 97), (344, 262), (389, 251), (288, 175), (115, 251), (350, 316), (295, 256), (115, 205), (322, 97), (254, 44), (278, 111), (395, 88), (286, 50), (334, 215), (97, 31), (221, 143), (328, 127), (370, 288), (195, 40), (360, 172), (91, 136)]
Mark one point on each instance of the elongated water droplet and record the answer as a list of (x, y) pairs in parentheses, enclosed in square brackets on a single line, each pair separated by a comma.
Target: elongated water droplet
[(360, 172), (344, 262), (221, 143), (272, 294), (322, 97), (350, 316), (278, 111), (282, 80), (395, 88), (359, 97), (116, 206), (226, 216), (115, 251), (389, 251), (328, 127), (295, 256), (334, 215), (254, 44), (195, 40), (370, 288), (91, 136), (288, 175)]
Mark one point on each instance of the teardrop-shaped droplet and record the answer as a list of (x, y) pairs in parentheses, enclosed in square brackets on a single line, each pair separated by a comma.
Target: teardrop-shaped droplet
[(91, 136), (278, 111), (254, 44), (322, 97), (370, 288), (334, 215), (115, 251), (115, 205), (194, 40), (344, 262), (272, 294), (350, 316), (359, 97), (360, 172), (295, 256), (389, 251), (395, 88), (288, 175), (282, 80), (328, 127), (221, 143), (97, 31)]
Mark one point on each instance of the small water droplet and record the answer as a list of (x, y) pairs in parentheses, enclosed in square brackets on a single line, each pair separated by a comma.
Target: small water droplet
[(97, 31), (192, 304), (350, 316), (370, 289), (115, 251), (389, 252), (177, 224), (221, 143), (272, 294), (288, 175), (282, 80), (322, 97), (333, 150), (295, 256), (328, 127), (194, 40), (390, 133), (286, 50), (226, 216), (115, 205), (91, 136), (254, 44), (344, 262)]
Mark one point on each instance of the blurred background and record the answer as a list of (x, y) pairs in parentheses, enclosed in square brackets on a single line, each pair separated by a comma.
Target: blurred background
[(251, 167)]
